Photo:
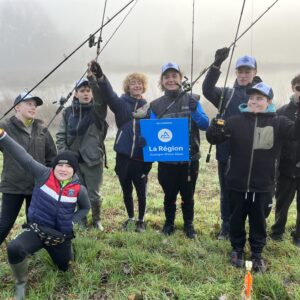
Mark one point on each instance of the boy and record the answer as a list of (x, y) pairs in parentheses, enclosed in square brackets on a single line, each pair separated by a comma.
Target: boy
[(255, 138), (82, 130), (31, 134), (245, 70), (289, 173)]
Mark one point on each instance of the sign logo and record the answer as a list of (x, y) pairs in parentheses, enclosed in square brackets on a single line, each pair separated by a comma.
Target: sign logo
[(165, 135)]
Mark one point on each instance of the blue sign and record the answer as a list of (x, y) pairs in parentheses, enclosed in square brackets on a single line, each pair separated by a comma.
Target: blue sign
[(166, 139)]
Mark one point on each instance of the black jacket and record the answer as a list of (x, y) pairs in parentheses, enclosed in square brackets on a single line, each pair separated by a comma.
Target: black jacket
[(255, 144), (289, 164)]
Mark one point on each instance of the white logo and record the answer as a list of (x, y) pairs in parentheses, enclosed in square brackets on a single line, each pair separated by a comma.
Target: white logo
[(165, 135)]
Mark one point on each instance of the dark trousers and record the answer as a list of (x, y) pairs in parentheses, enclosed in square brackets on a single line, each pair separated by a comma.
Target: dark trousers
[(133, 173), (253, 205), (173, 179), (9, 210), (224, 197), (28, 243), (285, 193)]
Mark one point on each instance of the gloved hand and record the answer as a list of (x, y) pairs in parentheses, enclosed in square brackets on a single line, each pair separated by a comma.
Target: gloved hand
[(220, 56), (256, 80), (95, 69), (141, 141), (193, 104), (215, 132)]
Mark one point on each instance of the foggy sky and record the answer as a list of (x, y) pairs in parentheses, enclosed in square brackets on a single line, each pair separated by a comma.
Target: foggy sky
[(38, 33)]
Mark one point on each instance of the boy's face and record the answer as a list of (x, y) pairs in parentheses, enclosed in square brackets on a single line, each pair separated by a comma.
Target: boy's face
[(245, 75), (26, 109), (63, 172), (84, 94), (136, 88), (258, 103), (296, 90), (171, 80)]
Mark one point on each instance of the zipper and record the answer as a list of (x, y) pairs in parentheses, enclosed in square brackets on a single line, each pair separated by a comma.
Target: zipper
[(133, 128), (252, 154), (117, 140)]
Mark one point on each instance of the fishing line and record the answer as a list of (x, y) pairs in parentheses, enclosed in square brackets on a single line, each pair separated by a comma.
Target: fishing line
[(68, 56), (193, 36), (100, 35)]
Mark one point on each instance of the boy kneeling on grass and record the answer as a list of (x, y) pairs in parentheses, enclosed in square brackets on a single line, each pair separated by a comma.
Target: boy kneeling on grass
[(255, 138), (56, 193)]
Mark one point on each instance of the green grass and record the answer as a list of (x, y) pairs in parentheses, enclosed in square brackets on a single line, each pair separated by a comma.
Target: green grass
[(128, 265)]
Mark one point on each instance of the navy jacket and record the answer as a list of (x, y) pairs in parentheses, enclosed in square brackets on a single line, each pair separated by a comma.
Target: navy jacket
[(233, 97), (128, 134)]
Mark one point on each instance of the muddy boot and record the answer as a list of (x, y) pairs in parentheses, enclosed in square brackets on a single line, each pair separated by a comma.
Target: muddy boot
[(95, 206), (20, 272)]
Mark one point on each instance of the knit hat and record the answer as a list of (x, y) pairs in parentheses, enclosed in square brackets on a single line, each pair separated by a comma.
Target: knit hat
[(66, 157)]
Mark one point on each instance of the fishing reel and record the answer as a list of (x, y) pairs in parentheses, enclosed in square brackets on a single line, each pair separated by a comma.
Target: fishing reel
[(62, 101), (186, 84)]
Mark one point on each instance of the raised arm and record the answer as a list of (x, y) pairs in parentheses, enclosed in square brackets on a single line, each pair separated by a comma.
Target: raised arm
[(25, 160)]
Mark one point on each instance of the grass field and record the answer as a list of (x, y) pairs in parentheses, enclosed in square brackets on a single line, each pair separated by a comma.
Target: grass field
[(129, 265)]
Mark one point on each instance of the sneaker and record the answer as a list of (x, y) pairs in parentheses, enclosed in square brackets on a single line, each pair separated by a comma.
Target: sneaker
[(223, 235), (237, 258), (276, 237), (140, 226), (296, 240), (258, 263), (190, 231), (98, 225), (128, 224), (168, 229)]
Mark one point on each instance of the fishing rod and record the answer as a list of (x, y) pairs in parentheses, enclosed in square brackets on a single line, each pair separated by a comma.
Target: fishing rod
[(64, 100), (218, 120), (239, 37), (68, 56), (100, 35)]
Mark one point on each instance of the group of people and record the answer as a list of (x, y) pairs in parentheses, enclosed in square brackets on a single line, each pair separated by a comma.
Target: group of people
[(253, 142)]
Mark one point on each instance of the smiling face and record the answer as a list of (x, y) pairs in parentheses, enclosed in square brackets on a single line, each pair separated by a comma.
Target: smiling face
[(63, 171), (136, 88), (171, 80), (26, 110), (245, 75), (258, 103), (84, 94)]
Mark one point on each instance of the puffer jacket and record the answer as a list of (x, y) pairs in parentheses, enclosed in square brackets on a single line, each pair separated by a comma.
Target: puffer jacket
[(255, 144), (127, 139), (83, 128), (233, 97), (39, 144), (289, 164)]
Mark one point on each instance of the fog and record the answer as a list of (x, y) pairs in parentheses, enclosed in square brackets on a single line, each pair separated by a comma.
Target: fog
[(37, 34)]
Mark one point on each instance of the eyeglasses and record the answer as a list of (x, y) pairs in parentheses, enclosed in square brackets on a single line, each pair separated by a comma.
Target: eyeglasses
[(297, 88)]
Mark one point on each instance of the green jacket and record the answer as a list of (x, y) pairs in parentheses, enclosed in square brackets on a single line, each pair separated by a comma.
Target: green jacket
[(39, 144), (83, 128)]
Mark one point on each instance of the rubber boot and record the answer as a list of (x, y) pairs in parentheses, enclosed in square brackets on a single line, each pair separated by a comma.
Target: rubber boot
[(95, 206), (20, 272)]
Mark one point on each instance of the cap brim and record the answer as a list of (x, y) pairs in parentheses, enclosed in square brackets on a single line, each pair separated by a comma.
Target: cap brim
[(170, 69), (245, 66), (38, 100), (251, 91)]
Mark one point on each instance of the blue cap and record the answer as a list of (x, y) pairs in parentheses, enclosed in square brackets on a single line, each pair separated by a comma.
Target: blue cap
[(261, 88), (81, 82), (25, 96), (168, 66), (246, 61)]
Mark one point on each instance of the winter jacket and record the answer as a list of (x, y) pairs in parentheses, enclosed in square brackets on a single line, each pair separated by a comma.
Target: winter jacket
[(83, 128), (39, 144), (51, 205), (233, 97), (180, 109), (255, 144), (289, 164), (128, 134)]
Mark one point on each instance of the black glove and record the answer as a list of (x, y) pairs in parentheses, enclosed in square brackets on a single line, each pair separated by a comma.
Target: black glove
[(141, 142), (220, 56), (215, 132), (256, 80), (96, 69), (193, 104)]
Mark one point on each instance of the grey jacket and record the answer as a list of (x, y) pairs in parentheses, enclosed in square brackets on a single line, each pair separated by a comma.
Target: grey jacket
[(83, 128), (39, 144)]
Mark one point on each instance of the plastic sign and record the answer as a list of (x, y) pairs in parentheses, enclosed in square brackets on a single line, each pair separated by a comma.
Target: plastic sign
[(166, 139)]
